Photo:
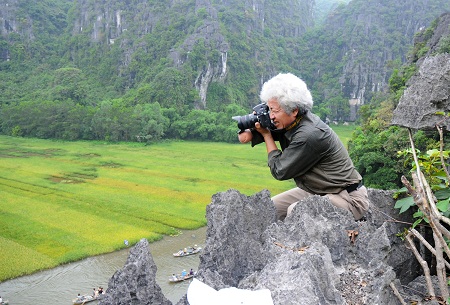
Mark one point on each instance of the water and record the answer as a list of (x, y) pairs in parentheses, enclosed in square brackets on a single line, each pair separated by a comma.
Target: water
[(61, 285)]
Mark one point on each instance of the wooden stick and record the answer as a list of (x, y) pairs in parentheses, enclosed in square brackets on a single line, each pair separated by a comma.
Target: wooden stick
[(440, 268), (413, 147), (441, 151), (397, 294), (427, 244), (423, 264)]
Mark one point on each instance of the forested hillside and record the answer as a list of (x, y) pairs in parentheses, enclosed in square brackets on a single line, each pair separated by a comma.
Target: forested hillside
[(146, 70), (380, 150), (323, 7)]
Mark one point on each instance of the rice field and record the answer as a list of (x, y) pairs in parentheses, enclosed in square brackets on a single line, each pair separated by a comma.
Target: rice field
[(64, 201)]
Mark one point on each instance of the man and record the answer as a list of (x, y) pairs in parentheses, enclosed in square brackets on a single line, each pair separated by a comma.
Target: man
[(311, 152)]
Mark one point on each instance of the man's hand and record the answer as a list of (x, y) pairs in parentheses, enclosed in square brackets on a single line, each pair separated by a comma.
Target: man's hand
[(270, 143), (245, 136), (263, 131)]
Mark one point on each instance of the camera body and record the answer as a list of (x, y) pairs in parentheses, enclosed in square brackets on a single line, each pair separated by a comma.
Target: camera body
[(260, 114)]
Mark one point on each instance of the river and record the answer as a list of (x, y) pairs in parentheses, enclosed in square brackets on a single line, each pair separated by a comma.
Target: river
[(61, 285)]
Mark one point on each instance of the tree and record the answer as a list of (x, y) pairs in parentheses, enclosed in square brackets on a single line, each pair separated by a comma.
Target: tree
[(374, 146), (430, 196), (172, 88), (69, 84), (152, 124)]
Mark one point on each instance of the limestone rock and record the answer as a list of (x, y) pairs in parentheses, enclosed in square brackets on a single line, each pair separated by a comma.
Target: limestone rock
[(135, 283), (428, 93), (309, 257), (317, 255)]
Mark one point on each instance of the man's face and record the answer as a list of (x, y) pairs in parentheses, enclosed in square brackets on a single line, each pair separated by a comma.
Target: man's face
[(280, 118)]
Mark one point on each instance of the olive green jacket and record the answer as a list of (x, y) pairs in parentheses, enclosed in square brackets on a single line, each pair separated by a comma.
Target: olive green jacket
[(313, 155)]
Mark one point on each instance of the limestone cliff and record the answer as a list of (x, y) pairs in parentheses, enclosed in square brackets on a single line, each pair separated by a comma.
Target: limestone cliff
[(233, 44), (111, 20), (426, 100), (363, 41)]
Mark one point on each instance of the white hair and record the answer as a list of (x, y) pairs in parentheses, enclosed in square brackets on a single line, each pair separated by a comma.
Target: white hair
[(290, 92)]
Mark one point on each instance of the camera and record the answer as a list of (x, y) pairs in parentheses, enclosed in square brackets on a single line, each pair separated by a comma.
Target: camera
[(260, 114)]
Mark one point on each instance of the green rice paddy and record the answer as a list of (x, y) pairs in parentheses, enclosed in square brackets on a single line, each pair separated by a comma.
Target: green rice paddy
[(64, 201)]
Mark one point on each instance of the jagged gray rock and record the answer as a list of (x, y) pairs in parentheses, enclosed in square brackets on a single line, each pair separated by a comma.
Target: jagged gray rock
[(427, 94), (234, 240), (428, 91), (135, 283), (308, 258)]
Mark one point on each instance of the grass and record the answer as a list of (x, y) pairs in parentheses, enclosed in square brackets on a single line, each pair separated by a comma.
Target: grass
[(64, 201), (344, 132)]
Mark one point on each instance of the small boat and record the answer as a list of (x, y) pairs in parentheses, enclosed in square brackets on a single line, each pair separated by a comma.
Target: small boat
[(179, 278), (83, 299), (5, 302), (188, 251)]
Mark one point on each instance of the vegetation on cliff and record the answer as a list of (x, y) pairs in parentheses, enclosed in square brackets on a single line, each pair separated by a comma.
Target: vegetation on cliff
[(375, 144), (81, 61)]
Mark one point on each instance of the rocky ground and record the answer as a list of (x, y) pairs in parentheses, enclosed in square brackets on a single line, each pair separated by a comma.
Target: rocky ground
[(317, 255)]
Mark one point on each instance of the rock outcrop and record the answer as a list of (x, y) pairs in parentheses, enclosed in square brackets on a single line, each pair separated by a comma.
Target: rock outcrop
[(136, 283), (364, 69), (426, 101), (317, 255)]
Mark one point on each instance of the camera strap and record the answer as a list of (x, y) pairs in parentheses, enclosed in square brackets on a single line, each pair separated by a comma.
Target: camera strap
[(295, 123)]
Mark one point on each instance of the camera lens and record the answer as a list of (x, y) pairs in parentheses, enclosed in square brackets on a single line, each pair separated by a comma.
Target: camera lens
[(246, 121)]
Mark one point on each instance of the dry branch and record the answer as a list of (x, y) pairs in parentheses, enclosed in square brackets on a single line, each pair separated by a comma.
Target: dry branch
[(441, 141), (426, 244), (397, 294), (425, 200), (423, 263)]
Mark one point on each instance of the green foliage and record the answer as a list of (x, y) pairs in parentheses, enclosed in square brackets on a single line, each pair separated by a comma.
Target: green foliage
[(429, 163), (152, 123), (444, 46), (398, 79), (219, 97), (323, 8), (69, 84), (431, 166), (375, 144), (369, 151), (70, 121), (172, 88), (396, 82), (109, 68), (405, 203)]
